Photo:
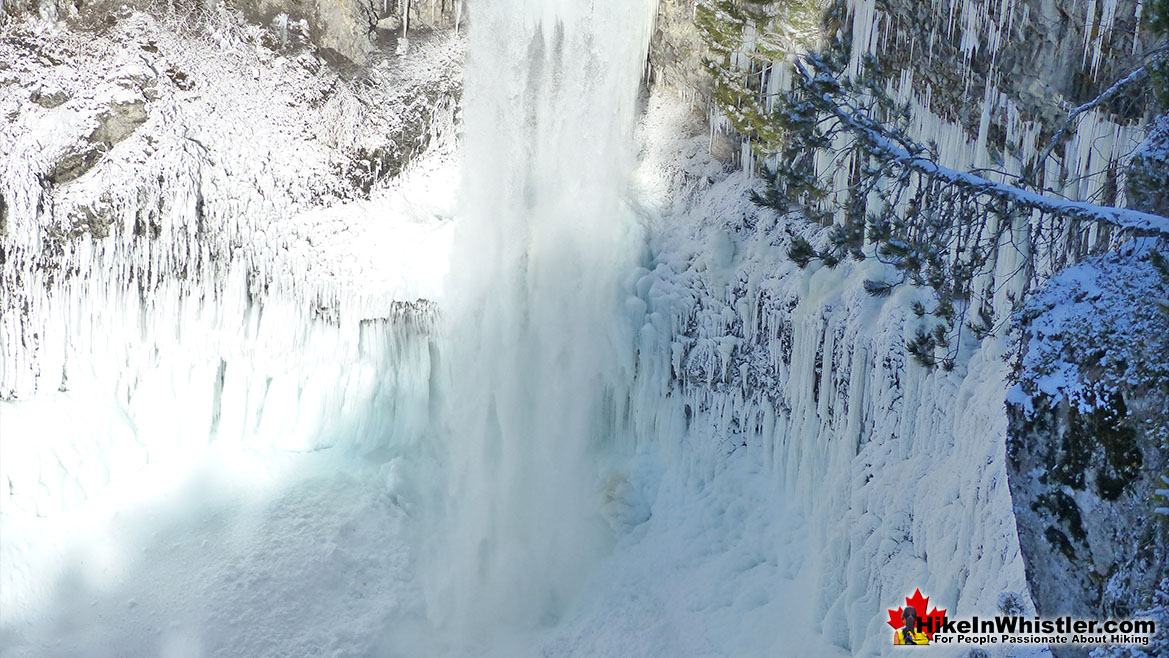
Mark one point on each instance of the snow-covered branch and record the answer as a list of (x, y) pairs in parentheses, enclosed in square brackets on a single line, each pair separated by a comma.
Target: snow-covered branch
[(1105, 96), (885, 147)]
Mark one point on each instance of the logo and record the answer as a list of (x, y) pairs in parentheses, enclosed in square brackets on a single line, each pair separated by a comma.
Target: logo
[(916, 624), (912, 625)]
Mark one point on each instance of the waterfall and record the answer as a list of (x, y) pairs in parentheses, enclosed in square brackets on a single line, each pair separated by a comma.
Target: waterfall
[(544, 243)]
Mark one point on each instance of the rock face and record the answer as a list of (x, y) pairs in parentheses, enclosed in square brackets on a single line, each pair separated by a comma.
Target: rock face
[(1148, 174), (990, 89), (1041, 56), (48, 98), (676, 51), (119, 121), (163, 154), (1087, 436), (351, 29), (188, 210), (677, 59), (744, 356), (114, 123)]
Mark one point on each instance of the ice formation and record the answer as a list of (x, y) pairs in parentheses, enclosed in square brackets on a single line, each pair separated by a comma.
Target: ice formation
[(186, 290), (898, 470), (1099, 141)]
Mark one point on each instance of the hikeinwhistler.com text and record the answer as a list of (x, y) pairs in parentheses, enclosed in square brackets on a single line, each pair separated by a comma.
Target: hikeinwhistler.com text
[(1022, 630)]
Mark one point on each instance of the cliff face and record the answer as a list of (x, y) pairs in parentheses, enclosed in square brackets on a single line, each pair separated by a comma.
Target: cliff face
[(349, 31), (1033, 58), (1088, 436), (157, 155), (744, 358), (677, 49), (989, 82), (817, 374), (168, 260)]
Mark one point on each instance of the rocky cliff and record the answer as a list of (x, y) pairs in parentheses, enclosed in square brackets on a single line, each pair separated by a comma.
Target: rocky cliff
[(350, 31), (990, 83), (1088, 438), (163, 151), (816, 373), (191, 203)]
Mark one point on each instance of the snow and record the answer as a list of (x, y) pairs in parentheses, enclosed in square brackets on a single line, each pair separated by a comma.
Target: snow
[(238, 553), (719, 569), (232, 373), (1070, 309), (209, 298), (306, 329), (206, 184)]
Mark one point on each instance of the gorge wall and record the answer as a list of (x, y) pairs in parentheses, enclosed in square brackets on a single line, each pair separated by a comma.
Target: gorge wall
[(808, 366), (168, 257)]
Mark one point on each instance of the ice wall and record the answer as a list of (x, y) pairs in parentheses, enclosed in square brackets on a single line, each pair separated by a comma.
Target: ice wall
[(132, 361), (169, 279), (134, 350), (899, 470), (534, 352), (153, 156), (902, 470)]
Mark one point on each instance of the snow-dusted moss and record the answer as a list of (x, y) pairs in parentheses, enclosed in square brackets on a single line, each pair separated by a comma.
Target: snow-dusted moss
[(746, 43)]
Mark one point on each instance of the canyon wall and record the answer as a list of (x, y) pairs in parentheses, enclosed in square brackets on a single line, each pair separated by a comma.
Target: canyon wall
[(171, 271), (805, 365)]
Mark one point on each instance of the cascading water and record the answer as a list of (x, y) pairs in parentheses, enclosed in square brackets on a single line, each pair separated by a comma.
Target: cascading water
[(546, 237)]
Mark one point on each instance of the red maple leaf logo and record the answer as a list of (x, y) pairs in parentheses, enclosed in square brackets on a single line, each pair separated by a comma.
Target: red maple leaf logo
[(919, 604)]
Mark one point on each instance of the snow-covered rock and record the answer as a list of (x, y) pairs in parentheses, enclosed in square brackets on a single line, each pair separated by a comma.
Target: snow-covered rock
[(179, 157), (347, 31), (204, 239), (1148, 175), (1088, 439)]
